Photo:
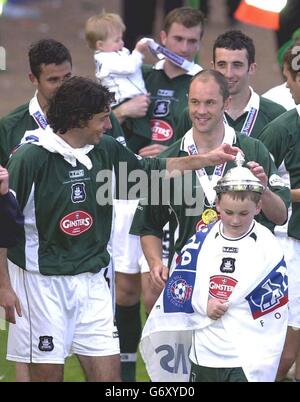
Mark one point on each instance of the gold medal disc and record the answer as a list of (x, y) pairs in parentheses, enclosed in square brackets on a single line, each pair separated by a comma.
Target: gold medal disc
[(209, 216)]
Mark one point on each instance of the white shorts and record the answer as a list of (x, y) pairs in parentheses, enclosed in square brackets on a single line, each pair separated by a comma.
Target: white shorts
[(126, 249), (291, 249), (127, 254), (61, 315)]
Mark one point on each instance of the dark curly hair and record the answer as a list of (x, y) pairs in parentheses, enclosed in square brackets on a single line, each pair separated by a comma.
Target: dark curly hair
[(235, 40), (76, 101), (47, 51)]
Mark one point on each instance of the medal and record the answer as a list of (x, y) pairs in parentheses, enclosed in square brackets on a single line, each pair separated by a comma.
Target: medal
[(209, 216)]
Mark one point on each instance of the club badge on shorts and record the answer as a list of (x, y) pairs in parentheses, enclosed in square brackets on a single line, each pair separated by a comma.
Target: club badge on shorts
[(46, 343)]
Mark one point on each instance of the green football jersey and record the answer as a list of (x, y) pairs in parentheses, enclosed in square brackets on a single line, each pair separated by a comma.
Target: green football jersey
[(168, 99), (12, 129), (68, 210), (281, 137)]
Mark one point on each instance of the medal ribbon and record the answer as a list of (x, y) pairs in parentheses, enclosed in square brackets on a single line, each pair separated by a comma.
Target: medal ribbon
[(250, 121), (206, 183), (37, 113)]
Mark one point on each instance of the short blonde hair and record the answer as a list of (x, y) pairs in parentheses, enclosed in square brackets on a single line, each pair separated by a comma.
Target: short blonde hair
[(98, 27)]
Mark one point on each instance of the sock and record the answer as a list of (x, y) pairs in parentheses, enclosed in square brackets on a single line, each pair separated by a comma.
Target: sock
[(129, 326)]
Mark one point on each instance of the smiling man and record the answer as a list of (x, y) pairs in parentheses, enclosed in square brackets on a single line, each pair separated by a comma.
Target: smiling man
[(248, 113), (59, 265)]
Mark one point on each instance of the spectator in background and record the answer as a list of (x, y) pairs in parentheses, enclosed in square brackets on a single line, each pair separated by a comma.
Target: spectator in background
[(143, 25), (288, 21), (231, 6)]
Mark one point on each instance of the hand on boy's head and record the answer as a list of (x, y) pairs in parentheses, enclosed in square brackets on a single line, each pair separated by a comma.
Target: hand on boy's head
[(258, 172)]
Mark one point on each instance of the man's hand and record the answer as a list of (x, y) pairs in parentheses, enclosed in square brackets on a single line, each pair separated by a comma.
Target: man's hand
[(216, 308), (159, 274), (4, 182), (221, 154), (258, 172), (135, 107), (10, 303), (151, 151)]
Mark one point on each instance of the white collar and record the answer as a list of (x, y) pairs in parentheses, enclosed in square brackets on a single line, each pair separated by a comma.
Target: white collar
[(229, 137), (253, 101), (47, 139), (37, 113)]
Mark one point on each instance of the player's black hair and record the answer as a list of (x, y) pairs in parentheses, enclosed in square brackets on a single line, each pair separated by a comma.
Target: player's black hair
[(76, 101), (235, 40), (47, 51)]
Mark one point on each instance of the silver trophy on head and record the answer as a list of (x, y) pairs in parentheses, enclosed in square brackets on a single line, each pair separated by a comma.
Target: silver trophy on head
[(239, 178)]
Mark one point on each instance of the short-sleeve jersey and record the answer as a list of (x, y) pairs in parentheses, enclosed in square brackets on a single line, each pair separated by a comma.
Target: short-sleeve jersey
[(68, 210), (281, 137)]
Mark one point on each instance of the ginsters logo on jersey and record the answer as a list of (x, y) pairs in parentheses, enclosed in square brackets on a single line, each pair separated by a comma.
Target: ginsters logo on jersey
[(76, 223), (78, 193), (228, 265), (221, 286), (161, 130), (46, 343)]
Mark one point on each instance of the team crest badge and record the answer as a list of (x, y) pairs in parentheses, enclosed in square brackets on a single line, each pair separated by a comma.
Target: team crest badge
[(46, 343), (228, 265), (161, 108), (78, 192)]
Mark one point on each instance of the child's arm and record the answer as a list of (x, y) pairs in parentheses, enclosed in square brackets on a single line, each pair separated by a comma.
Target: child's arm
[(142, 47)]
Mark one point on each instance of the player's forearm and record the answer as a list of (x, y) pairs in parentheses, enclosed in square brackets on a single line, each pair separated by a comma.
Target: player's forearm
[(221, 154), (120, 113), (295, 193), (274, 208), (152, 249), (4, 275)]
